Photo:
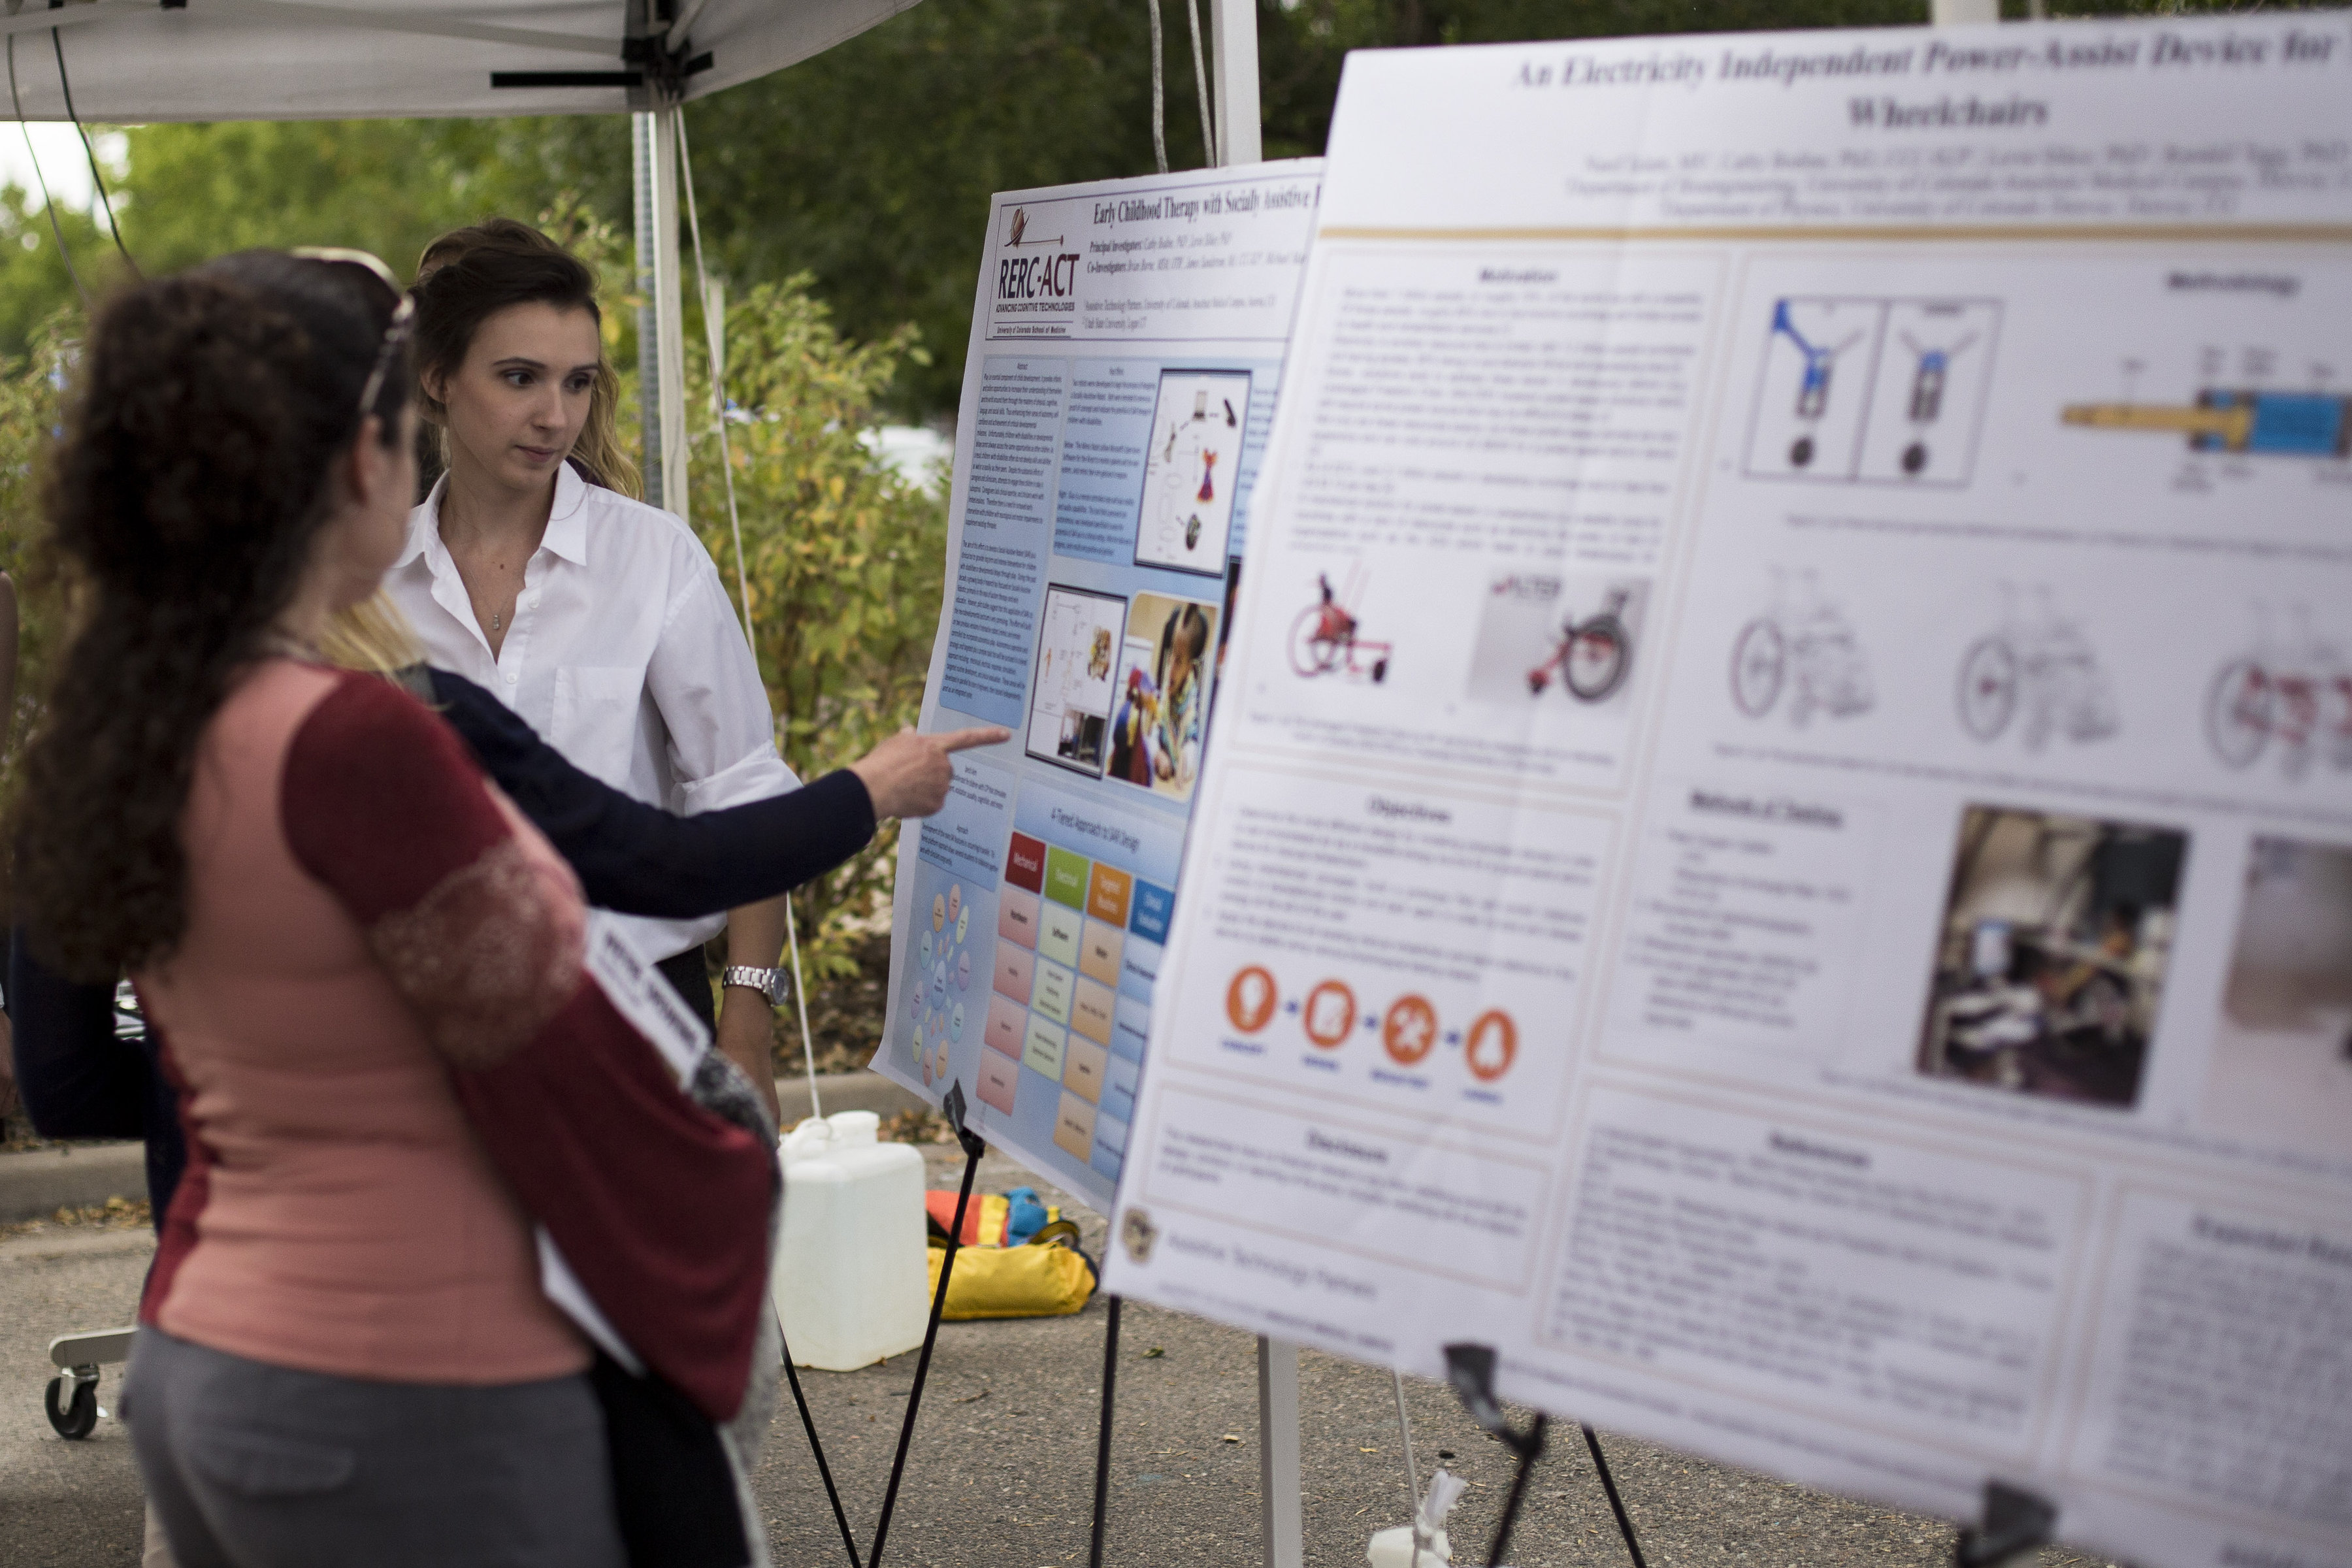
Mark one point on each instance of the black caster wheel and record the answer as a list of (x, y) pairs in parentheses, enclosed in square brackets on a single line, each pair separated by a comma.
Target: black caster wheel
[(1801, 454), (1915, 458), (1380, 671), (77, 1417)]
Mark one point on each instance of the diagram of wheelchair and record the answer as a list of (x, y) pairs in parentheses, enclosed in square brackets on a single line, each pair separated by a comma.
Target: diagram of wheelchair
[(2039, 665), (1805, 646), (1324, 640), (2298, 693), (1590, 657)]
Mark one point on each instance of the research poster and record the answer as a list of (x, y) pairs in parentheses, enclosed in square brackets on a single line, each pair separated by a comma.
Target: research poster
[(1777, 844), (1127, 349)]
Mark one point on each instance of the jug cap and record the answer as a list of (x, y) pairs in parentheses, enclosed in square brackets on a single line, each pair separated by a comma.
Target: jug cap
[(852, 1126)]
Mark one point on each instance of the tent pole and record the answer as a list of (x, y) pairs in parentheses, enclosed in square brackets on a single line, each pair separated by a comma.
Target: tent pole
[(661, 336), (642, 165), (1232, 40)]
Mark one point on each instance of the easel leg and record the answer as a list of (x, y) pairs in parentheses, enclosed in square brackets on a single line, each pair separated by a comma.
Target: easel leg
[(1102, 1441), (1277, 1454), (973, 1150), (1470, 1368), (1616, 1503), (2015, 1521), (808, 1424), (1530, 1448)]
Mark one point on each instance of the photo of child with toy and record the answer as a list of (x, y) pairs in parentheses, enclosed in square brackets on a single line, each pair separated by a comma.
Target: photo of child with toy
[(1163, 698)]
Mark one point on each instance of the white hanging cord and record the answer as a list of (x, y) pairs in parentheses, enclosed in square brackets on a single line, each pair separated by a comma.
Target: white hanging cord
[(1201, 81), (714, 329), (1159, 88), (1412, 1476)]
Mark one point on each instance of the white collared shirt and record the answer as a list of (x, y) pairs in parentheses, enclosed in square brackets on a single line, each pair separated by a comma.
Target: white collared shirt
[(624, 654)]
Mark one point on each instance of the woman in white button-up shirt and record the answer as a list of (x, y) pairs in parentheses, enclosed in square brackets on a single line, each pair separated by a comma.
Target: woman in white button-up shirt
[(599, 619)]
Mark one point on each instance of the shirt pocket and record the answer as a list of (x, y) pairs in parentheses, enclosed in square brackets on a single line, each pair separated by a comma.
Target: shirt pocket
[(596, 718)]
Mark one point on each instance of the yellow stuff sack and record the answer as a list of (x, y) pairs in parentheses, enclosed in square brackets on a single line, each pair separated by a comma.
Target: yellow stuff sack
[(1040, 1279)]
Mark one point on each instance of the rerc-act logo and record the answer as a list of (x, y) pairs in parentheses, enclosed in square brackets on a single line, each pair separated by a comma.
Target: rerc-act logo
[(1037, 276)]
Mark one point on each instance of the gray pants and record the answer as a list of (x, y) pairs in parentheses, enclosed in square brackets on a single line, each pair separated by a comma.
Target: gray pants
[(253, 1466)]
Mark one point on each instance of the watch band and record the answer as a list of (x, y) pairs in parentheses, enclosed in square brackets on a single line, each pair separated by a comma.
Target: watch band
[(768, 983)]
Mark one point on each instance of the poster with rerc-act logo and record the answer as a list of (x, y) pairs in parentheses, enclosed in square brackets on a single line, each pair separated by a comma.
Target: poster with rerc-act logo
[(1126, 358)]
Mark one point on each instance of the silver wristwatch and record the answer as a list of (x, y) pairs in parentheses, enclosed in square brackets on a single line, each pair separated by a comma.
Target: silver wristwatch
[(768, 983)]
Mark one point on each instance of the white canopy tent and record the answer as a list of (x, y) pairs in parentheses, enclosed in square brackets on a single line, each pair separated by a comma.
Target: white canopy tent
[(143, 61), (136, 60)]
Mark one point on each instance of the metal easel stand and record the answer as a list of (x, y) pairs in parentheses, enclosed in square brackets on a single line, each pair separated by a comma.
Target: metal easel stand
[(1470, 1368), (974, 1148), (808, 1425), (1102, 1437), (2015, 1521)]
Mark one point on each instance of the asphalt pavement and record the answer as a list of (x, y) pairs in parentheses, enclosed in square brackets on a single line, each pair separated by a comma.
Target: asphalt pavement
[(1001, 1472)]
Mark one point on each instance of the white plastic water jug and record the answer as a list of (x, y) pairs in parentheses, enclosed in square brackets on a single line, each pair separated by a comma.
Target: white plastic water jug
[(851, 1277)]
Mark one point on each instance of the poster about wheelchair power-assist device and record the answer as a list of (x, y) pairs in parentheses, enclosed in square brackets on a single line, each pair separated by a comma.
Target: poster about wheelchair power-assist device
[(1125, 352), (1777, 839)]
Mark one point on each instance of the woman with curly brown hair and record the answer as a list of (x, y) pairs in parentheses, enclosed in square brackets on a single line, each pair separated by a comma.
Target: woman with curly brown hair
[(402, 1061)]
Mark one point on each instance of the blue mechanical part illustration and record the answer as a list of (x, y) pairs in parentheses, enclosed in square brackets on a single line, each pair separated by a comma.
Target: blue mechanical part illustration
[(1813, 382)]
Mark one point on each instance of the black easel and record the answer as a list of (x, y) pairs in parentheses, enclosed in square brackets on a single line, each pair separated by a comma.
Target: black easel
[(1470, 1368), (952, 1107), (1616, 1503), (808, 1425), (2015, 1521), (1102, 1439)]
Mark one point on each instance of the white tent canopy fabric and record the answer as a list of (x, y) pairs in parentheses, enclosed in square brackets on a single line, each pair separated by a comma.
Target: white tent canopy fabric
[(141, 60)]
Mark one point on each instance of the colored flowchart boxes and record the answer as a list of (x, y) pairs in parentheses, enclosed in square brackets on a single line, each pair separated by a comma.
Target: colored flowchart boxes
[(998, 1078), (1067, 877), (1043, 1049), (1099, 947), (1014, 967), (1107, 894), (1052, 996), (1083, 1074), (1017, 917), (1152, 907), (1092, 1005), (1078, 952), (1024, 864), (1073, 1127), (1058, 931), (1008, 1025)]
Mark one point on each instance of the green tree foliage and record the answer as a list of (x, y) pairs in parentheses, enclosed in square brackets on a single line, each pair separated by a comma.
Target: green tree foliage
[(31, 403), (192, 191), (845, 559)]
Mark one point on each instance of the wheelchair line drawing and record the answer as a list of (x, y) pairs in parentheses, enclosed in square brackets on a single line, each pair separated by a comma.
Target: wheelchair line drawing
[(1803, 644), (2042, 664), (2297, 690), (1324, 638), (1590, 656)]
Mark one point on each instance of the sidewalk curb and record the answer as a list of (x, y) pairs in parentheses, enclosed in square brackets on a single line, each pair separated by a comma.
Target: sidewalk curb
[(861, 1090), (36, 1182)]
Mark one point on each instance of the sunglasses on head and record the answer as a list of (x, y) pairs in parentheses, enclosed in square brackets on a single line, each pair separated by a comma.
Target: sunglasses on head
[(403, 314)]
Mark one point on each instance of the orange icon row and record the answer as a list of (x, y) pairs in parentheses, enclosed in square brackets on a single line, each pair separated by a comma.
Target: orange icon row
[(1409, 1031)]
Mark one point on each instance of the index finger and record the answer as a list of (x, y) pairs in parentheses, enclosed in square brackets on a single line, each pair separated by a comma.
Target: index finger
[(978, 735)]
